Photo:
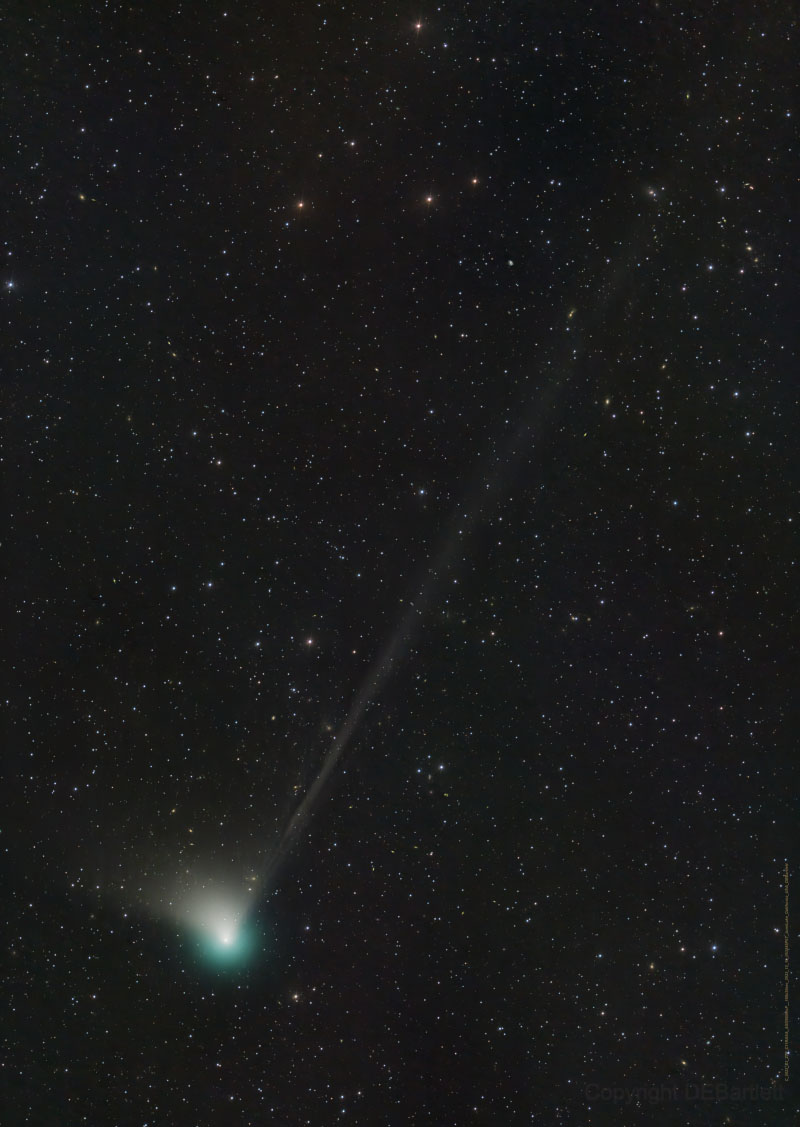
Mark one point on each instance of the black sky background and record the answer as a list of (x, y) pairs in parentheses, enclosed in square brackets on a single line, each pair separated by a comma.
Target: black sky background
[(552, 859)]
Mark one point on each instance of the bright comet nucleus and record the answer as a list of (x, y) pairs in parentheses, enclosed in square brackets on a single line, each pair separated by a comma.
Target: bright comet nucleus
[(218, 917), (226, 935), (220, 927)]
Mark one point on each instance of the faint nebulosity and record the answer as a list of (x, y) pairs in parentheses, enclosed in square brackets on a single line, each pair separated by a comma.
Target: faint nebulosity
[(401, 474)]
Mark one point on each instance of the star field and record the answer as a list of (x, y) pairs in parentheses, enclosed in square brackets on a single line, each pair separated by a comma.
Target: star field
[(401, 490)]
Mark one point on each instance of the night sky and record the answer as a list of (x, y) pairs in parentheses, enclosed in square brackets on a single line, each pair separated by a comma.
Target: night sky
[(401, 473)]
